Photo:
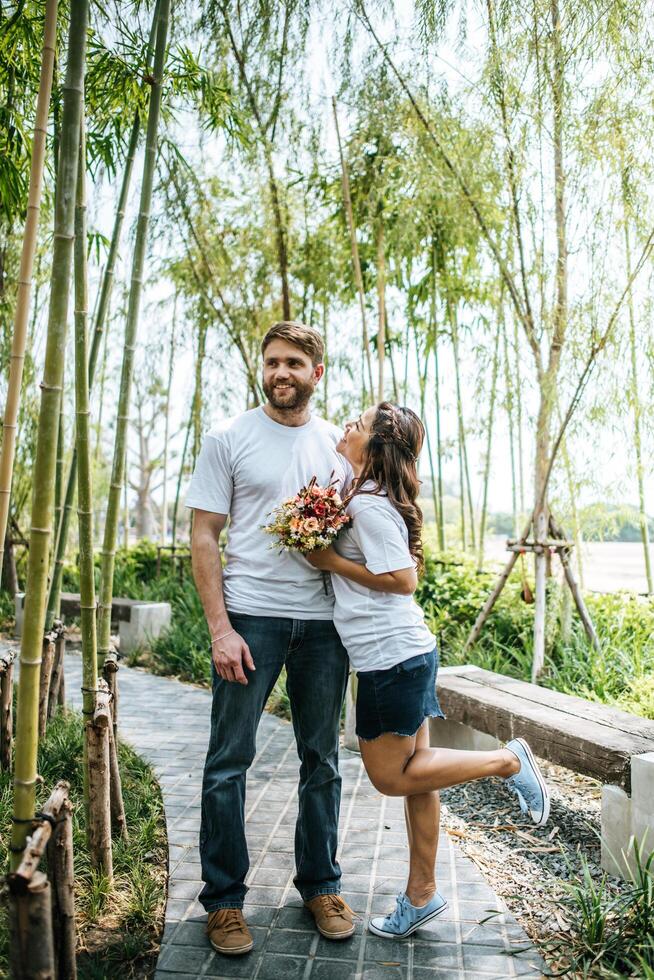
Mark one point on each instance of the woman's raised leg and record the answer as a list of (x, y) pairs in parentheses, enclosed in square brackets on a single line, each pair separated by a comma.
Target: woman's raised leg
[(398, 767)]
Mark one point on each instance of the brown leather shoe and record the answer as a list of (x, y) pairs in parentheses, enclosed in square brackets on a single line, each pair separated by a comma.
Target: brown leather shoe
[(228, 932), (334, 917)]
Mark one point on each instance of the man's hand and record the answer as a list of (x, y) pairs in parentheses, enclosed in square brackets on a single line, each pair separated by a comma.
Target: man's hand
[(322, 558), (230, 655)]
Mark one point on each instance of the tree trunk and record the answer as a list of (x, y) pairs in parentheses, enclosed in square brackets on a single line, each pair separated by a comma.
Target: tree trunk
[(197, 391), (171, 362), (549, 377), (464, 470), (118, 467), (637, 407), (437, 389), (381, 308), (356, 264), (21, 315), (508, 383), (180, 477), (422, 378), (489, 438)]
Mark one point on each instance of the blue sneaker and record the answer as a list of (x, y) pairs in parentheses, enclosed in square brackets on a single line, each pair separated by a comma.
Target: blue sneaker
[(406, 918), (528, 784)]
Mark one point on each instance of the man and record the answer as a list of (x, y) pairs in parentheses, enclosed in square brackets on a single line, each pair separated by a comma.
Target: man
[(267, 610)]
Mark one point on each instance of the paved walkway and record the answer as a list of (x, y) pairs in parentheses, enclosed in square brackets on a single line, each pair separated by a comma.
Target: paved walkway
[(167, 722)]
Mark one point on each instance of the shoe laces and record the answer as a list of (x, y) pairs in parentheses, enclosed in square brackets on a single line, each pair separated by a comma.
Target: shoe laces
[(333, 905), (524, 803), (231, 920), (394, 918)]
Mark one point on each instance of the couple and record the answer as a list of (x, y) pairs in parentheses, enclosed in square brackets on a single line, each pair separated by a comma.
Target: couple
[(266, 610)]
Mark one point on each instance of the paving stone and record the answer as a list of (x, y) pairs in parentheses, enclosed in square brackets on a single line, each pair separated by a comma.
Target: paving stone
[(373, 857)]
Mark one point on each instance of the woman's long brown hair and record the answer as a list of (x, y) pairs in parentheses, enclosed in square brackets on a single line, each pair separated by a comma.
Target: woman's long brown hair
[(396, 437)]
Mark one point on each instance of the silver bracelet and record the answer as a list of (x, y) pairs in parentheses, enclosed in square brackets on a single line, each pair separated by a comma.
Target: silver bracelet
[(215, 639)]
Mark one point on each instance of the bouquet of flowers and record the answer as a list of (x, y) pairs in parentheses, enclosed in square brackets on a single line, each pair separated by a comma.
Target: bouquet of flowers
[(310, 520)]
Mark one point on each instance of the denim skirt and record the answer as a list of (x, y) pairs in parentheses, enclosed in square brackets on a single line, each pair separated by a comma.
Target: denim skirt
[(397, 700)]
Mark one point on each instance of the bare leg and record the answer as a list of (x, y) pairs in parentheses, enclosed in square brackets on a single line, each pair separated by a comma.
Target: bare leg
[(422, 813), (397, 767)]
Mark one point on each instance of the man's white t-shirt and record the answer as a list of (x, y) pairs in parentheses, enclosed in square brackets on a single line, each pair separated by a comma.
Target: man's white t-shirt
[(246, 467), (377, 629)]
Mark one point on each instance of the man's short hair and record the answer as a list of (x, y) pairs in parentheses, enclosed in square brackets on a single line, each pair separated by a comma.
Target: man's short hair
[(300, 335)]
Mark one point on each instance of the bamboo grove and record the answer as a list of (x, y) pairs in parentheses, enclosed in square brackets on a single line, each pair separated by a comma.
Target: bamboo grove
[(470, 226)]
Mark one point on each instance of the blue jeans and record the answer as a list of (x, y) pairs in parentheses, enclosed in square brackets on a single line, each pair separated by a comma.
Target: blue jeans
[(316, 677)]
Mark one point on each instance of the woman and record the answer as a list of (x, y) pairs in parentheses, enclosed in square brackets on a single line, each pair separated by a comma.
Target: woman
[(374, 566)]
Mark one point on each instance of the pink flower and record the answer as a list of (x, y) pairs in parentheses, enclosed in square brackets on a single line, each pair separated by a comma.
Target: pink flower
[(310, 525)]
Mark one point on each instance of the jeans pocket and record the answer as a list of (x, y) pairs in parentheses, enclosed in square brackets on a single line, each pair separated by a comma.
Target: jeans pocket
[(414, 665)]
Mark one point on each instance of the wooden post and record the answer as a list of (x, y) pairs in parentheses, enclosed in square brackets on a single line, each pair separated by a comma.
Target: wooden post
[(62, 879), (490, 602), (6, 707), (32, 945), (540, 561), (47, 658), (584, 615), (116, 789), (31, 950), (57, 667), (110, 671), (99, 798)]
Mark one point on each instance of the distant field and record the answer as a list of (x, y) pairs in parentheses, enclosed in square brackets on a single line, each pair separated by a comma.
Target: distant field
[(608, 566)]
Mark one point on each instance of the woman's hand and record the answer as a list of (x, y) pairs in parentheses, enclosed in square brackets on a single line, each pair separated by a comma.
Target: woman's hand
[(322, 558)]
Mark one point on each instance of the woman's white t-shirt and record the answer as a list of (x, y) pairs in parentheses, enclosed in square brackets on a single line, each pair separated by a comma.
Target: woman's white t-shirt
[(378, 629)]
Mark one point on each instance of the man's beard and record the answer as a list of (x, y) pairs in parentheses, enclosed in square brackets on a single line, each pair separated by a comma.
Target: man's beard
[(293, 398)]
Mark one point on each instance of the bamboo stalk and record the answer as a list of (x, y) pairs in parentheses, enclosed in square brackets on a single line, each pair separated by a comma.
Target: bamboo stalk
[(171, 360), (437, 386), (94, 700), (21, 315), (62, 879), (509, 412), (31, 950), (180, 476), (118, 467), (98, 332), (356, 263), (44, 467), (637, 409), (381, 309), (489, 438)]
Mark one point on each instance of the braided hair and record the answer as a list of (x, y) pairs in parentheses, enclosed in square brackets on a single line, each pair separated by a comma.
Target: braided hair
[(390, 463)]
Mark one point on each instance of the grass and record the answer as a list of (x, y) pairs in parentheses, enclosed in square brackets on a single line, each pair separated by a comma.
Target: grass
[(118, 929), (613, 932)]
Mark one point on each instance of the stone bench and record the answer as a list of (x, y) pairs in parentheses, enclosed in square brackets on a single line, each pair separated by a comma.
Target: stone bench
[(614, 747), (137, 621)]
